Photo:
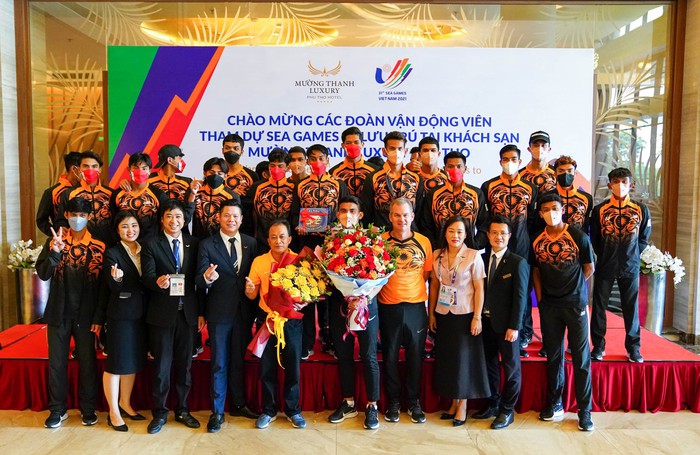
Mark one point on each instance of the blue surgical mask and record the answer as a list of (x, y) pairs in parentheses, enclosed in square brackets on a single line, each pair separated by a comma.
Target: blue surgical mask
[(77, 223)]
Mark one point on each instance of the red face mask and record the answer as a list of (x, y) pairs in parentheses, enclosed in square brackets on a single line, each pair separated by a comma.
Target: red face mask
[(277, 173), (455, 175), (139, 176), (353, 151), (91, 175), (318, 167), (181, 166)]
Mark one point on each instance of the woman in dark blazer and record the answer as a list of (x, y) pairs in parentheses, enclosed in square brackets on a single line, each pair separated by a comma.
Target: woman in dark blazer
[(125, 307)]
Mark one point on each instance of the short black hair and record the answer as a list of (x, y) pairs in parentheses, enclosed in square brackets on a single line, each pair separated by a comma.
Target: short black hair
[(263, 166), (71, 159), (317, 148), (428, 140), (138, 158), (78, 204), (396, 135), (278, 155), (122, 215), (216, 161), (171, 204), (350, 199), (509, 148), (549, 197), (500, 219), (92, 155), (620, 172), (279, 222), (229, 203), (376, 160), (414, 150), (233, 138), (353, 130), (455, 154), (297, 149)]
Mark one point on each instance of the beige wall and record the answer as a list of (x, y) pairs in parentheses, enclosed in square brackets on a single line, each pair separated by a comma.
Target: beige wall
[(686, 315)]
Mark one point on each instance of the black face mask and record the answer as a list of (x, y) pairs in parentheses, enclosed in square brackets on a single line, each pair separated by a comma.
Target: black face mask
[(214, 181), (565, 180), (232, 157)]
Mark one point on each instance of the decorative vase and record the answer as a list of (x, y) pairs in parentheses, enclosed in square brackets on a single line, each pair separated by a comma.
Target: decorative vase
[(32, 295), (652, 299)]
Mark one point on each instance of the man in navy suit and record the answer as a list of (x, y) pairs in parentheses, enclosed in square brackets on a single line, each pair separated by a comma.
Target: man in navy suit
[(224, 262), (169, 266), (504, 303)]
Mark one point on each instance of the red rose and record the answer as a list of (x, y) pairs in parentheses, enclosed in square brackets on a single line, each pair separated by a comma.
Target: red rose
[(386, 256), (363, 239), (352, 252)]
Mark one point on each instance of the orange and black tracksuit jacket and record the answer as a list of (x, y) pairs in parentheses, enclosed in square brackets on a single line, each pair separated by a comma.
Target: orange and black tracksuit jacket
[(433, 181), (241, 182), (517, 201), (48, 206), (175, 187), (545, 180), (444, 202), (620, 231), (380, 190), (315, 192), (100, 217), (353, 174), (75, 277), (271, 201), (205, 220), (144, 203)]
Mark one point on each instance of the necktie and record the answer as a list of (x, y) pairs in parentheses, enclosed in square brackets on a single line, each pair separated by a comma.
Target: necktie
[(176, 254), (492, 267), (234, 255)]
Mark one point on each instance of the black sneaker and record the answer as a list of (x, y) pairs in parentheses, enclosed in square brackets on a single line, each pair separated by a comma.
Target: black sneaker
[(89, 418), (584, 421), (196, 351), (597, 354), (635, 357), (416, 413), (525, 342), (306, 354), (345, 411), (542, 353), (371, 417), (550, 412), (392, 413), (55, 419)]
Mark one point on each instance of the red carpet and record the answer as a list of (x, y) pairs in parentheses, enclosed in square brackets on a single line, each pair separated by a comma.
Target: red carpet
[(669, 380)]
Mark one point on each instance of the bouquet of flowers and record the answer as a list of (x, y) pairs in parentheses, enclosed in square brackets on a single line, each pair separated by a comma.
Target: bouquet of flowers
[(654, 261), (294, 283), (359, 263), (22, 255)]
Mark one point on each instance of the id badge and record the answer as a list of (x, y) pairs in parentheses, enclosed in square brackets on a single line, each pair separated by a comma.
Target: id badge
[(447, 295), (177, 285)]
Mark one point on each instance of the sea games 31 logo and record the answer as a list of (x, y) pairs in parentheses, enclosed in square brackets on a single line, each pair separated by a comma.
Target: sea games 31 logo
[(323, 85), (397, 76)]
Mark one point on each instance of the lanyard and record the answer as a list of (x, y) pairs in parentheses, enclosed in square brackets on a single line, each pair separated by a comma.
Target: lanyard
[(454, 270), (390, 188)]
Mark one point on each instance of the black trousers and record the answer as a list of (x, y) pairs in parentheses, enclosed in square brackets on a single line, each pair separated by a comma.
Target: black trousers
[(555, 321), (291, 358), (59, 346), (495, 343), (171, 346), (403, 324), (309, 312), (629, 293), (345, 348)]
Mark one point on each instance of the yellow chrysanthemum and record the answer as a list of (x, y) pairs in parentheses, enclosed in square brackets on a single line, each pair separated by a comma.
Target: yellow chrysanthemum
[(301, 280), (287, 284)]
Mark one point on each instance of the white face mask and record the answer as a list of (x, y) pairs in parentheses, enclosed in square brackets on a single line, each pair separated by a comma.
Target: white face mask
[(510, 167), (552, 218), (620, 190)]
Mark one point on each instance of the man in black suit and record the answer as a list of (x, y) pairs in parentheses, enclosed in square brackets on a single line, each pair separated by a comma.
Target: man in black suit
[(504, 303), (224, 262), (169, 267)]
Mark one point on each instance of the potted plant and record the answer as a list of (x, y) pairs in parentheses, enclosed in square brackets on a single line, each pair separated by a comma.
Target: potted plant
[(32, 293), (652, 285)]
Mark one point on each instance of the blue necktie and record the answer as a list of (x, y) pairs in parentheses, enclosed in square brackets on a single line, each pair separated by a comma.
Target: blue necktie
[(176, 254)]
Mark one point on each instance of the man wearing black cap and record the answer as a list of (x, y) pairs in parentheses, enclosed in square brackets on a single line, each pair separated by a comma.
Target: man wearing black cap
[(170, 163), (544, 177)]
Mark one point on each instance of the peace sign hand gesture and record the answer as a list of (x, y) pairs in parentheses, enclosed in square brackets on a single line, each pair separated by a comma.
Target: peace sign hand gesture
[(57, 242)]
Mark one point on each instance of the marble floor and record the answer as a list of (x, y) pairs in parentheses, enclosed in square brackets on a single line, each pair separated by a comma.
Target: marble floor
[(22, 432)]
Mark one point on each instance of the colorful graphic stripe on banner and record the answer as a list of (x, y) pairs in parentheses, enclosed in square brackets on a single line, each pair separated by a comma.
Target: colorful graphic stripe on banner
[(165, 105)]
